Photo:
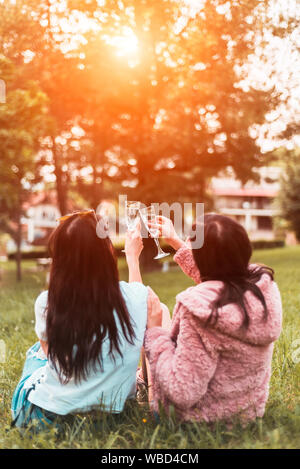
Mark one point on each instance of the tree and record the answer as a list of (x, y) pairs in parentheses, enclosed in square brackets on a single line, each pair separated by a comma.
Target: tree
[(180, 105), (188, 116), (156, 123), (34, 39), (22, 122), (289, 198)]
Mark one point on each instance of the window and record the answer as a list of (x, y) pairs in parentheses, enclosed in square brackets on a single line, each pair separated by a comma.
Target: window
[(264, 223)]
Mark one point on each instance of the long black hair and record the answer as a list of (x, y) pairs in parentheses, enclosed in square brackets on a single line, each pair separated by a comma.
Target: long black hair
[(225, 256), (83, 295)]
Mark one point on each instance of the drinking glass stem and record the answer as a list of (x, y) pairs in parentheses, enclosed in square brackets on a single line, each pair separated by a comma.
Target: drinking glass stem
[(160, 251)]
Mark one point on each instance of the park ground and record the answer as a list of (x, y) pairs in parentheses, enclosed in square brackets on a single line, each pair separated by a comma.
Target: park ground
[(280, 427)]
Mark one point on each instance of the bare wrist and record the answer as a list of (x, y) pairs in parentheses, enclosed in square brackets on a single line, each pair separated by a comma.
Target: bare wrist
[(134, 271), (175, 242), (132, 259)]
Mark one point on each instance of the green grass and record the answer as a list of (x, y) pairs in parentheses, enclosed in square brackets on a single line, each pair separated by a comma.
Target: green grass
[(135, 428)]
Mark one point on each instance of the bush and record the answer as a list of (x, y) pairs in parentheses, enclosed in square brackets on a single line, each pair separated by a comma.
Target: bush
[(30, 255), (268, 244)]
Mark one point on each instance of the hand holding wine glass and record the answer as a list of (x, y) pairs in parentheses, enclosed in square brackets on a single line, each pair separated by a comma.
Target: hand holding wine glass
[(132, 215), (133, 248), (149, 218), (166, 230)]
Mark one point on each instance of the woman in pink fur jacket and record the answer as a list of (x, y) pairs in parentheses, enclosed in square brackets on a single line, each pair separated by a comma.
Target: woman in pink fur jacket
[(215, 361)]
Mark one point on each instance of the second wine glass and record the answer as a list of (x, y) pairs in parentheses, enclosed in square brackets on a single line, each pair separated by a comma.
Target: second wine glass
[(149, 216), (131, 215)]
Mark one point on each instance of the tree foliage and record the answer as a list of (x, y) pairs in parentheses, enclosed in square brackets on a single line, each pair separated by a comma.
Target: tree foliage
[(155, 121), (158, 122), (23, 121), (290, 190)]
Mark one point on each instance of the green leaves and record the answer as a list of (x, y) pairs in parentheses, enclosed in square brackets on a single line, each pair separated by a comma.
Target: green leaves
[(23, 122), (289, 198), (175, 110)]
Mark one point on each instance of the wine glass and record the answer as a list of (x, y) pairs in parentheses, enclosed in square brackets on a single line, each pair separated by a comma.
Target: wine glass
[(148, 215), (132, 208), (132, 214)]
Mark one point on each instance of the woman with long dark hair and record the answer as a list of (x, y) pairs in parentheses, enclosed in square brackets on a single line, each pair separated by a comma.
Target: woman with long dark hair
[(215, 361), (90, 327)]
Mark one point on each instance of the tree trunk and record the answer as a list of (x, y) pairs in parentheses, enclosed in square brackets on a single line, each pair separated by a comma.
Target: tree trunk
[(96, 189), (60, 186)]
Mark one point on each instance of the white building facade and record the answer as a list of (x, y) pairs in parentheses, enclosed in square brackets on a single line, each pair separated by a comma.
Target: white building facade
[(253, 204)]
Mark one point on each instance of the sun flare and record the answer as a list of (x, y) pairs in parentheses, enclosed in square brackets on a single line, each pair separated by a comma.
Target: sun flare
[(126, 44)]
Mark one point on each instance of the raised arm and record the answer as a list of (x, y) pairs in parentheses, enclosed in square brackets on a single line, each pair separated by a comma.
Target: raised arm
[(185, 260), (184, 255), (133, 249)]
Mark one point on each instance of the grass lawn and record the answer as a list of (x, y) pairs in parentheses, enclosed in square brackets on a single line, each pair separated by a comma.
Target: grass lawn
[(135, 428)]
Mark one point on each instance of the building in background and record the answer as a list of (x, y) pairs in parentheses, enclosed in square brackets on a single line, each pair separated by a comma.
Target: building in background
[(41, 217), (41, 213), (251, 204)]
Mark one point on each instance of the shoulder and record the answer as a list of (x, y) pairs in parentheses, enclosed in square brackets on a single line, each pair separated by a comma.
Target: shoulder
[(41, 301), (261, 270), (267, 286), (265, 281), (134, 292), (198, 299), (133, 287), (135, 295)]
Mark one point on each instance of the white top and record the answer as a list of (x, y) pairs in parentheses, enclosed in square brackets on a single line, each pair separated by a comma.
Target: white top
[(109, 388)]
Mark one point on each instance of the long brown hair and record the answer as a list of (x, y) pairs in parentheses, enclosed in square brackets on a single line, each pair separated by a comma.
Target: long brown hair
[(225, 256), (84, 298)]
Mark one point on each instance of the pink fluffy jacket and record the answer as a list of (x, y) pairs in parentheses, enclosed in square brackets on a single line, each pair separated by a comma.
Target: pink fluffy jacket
[(214, 372)]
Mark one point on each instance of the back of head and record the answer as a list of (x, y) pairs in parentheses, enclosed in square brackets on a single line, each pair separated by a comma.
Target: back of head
[(226, 251), (225, 256), (84, 294)]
